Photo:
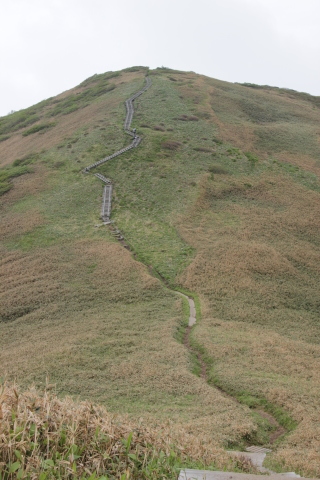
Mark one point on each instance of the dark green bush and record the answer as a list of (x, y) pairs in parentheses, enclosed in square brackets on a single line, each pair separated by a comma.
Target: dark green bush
[(38, 128), (26, 160)]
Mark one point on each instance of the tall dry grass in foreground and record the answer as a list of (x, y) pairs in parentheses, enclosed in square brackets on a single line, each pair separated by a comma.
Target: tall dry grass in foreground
[(43, 437)]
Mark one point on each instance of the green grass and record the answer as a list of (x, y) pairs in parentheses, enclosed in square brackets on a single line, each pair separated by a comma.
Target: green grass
[(8, 173)]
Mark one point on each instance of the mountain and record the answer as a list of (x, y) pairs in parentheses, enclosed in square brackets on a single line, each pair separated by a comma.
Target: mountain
[(220, 201)]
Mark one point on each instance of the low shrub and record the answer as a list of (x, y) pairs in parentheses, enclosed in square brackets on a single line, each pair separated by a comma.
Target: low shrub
[(18, 120), (25, 160), (171, 145), (253, 159), (4, 137), (38, 128), (218, 170)]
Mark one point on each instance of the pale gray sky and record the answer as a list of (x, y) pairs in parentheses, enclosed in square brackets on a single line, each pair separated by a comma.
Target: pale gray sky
[(49, 46)]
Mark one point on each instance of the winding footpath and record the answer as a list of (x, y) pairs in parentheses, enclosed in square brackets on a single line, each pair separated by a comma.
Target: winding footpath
[(107, 191), (255, 454)]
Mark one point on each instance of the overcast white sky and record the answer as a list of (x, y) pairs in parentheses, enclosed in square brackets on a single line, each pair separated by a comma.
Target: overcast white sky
[(48, 46)]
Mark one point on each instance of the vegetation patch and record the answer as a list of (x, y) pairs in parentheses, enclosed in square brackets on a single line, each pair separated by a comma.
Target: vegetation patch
[(80, 100), (253, 159), (18, 120), (188, 118), (26, 160), (4, 137), (171, 145), (38, 128), (217, 169), (99, 78), (8, 173)]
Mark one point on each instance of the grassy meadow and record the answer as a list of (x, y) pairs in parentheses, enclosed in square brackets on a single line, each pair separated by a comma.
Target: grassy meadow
[(221, 198)]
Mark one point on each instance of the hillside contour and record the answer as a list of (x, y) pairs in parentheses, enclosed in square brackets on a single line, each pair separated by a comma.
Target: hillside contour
[(221, 199)]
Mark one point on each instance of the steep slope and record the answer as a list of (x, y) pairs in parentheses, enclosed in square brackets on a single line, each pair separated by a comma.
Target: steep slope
[(221, 198), (76, 306)]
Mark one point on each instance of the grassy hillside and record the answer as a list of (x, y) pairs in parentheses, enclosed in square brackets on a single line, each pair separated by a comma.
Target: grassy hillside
[(220, 198)]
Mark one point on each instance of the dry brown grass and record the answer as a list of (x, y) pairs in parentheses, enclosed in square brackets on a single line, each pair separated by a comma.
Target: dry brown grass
[(28, 184), (64, 439)]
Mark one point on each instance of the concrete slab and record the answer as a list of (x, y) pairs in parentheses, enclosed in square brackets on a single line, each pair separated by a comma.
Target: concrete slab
[(210, 475), (192, 308)]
